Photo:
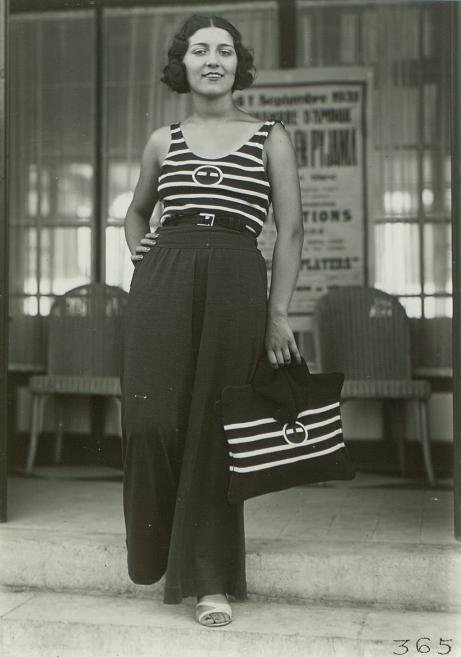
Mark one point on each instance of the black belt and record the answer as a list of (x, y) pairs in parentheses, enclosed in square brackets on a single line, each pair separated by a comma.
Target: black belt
[(205, 219)]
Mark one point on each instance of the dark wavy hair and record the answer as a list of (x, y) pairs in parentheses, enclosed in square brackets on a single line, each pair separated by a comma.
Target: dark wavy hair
[(174, 73)]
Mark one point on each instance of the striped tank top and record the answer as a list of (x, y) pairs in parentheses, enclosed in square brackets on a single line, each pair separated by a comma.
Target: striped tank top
[(235, 184)]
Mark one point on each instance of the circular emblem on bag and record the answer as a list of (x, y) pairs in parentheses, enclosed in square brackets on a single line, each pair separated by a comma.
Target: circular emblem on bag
[(295, 434), (207, 174)]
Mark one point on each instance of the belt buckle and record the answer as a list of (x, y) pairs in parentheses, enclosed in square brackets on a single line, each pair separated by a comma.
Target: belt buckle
[(209, 219)]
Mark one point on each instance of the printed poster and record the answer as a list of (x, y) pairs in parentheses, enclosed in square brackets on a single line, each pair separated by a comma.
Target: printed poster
[(326, 113)]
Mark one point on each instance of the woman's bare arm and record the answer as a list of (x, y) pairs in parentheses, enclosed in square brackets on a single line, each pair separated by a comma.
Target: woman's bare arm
[(286, 259), (145, 195)]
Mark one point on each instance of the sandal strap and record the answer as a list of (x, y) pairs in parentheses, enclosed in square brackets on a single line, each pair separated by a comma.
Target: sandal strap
[(212, 608)]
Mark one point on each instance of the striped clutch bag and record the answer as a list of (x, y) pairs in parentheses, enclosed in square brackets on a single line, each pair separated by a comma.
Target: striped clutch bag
[(284, 434)]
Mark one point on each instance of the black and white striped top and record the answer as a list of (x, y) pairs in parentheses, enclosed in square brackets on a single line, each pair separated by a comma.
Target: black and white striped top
[(236, 184)]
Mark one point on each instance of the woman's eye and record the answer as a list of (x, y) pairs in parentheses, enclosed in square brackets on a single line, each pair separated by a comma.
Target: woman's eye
[(226, 52)]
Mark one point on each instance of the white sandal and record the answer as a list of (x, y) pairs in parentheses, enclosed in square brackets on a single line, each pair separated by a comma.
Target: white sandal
[(209, 608)]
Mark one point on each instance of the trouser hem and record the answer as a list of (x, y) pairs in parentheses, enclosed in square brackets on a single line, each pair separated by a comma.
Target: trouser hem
[(174, 596), (145, 579)]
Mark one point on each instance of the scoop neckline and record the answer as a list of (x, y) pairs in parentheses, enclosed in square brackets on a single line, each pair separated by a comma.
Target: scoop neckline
[(214, 159)]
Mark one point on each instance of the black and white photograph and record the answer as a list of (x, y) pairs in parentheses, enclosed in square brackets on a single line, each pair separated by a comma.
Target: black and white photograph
[(230, 303)]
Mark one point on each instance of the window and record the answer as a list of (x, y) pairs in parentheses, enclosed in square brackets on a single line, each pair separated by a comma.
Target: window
[(404, 45), (51, 168)]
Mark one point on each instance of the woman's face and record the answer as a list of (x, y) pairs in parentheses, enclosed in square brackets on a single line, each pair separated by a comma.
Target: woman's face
[(211, 61)]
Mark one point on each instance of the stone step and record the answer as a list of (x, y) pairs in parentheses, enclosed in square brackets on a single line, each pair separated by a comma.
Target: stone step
[(396, 575), (49, 624)]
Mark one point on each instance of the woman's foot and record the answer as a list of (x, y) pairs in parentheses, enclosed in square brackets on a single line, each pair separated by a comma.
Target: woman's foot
[(213, 610)]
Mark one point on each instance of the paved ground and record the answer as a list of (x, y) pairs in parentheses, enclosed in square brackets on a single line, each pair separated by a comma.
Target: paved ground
[(370, 508), (363, 564)]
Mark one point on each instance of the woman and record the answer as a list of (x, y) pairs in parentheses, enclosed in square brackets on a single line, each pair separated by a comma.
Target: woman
[(199, 318)]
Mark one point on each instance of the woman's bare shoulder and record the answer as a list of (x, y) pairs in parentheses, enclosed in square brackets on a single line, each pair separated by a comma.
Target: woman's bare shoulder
[(278, 137), (158, 144), (159, 136)]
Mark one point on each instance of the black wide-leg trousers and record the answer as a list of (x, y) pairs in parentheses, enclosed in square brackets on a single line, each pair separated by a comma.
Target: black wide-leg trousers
[(195, 323)]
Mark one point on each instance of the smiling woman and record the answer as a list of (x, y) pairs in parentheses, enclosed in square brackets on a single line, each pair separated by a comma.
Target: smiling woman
[(210, 60), (199, 318), (175, 72)]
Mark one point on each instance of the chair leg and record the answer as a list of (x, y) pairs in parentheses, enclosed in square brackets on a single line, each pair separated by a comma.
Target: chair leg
[(118, 405), (387, 420), (395, 429), (423, 435), (38, 404), (59, 433), (426, 441), (400, 433)]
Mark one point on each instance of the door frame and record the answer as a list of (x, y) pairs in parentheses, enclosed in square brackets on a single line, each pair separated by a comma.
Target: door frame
[(455, 134), (3, 263)]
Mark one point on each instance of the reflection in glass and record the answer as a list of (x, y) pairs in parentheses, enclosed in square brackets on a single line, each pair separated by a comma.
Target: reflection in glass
[(74, 188), (119, 267), (122, 178), (438, 307), (437, 258), (66, 257), (397, 266), (412, 306)]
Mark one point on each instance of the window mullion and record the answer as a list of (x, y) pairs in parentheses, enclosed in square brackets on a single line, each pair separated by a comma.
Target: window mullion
[(98, 241), (420, 162), (39, 165)]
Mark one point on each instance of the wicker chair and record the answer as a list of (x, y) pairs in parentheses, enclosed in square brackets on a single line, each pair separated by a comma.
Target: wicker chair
[(84, 334), (365, 333)]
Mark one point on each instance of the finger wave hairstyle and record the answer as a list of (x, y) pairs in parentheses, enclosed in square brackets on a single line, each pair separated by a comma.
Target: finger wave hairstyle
[(174, 73)]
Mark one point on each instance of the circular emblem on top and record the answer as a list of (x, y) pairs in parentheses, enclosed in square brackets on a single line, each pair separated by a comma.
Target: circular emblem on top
[(295, 434), (207, 174)]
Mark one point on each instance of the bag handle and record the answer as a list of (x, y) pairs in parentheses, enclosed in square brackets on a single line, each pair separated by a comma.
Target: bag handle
[(278, 386)]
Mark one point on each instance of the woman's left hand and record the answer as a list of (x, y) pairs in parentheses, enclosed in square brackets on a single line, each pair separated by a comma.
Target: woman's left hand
[(280, 343)]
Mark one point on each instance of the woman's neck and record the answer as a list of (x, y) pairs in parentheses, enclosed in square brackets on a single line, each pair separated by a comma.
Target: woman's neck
[(213, 109)]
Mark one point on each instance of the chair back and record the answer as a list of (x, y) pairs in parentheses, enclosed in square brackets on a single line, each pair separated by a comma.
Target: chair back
[(364, 333), (85, 326)]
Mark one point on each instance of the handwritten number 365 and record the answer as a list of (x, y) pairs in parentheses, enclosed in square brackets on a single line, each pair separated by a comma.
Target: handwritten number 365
[(422, 646)]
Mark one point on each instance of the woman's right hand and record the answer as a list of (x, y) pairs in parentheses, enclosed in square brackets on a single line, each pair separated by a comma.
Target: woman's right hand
[(144, 246)]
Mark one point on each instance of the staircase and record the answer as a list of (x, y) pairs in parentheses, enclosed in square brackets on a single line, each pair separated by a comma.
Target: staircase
[(320, 582)]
